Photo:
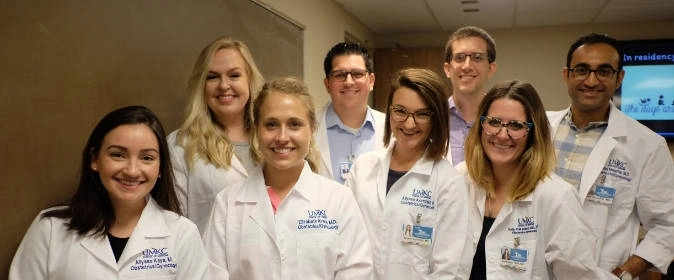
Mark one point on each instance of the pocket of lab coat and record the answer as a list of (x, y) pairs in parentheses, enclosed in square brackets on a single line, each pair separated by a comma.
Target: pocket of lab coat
[(317, 255)]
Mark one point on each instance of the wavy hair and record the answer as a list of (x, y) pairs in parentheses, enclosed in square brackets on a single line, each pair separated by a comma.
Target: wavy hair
[(91, 208), (538, 159), (297, 88), (200, 134)]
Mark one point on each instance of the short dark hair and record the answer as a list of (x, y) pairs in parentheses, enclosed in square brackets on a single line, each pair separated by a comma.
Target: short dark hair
[(591, 39), (431, 88), (90, 208), (467, 32), (347, 48)]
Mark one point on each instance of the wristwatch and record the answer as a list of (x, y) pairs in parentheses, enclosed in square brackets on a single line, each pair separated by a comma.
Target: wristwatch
[(622, 274)]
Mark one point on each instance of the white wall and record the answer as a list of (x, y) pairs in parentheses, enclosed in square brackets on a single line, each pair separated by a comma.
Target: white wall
[(325, 23)]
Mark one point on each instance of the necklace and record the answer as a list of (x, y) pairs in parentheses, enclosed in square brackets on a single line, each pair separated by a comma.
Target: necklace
[(489, 207)]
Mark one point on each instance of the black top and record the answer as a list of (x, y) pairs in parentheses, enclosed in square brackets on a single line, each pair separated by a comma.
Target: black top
[(479, 270), (393, 177), (117, 245)]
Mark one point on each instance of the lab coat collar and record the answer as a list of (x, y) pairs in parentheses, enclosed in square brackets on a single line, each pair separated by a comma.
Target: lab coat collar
[(256, 188), (423, 165), (150, 225)]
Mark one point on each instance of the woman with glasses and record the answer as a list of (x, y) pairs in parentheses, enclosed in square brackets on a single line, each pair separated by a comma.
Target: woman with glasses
[(413, 200), (528, 220)]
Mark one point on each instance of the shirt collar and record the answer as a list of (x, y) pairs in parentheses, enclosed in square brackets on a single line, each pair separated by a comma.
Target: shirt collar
[(332, 119), (591, 125)]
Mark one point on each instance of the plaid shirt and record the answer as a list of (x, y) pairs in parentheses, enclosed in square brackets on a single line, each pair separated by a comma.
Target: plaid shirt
[(574, 146)]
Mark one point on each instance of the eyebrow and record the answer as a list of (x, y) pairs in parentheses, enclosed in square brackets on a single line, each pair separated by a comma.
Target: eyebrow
[(418, 110), (125, 149)]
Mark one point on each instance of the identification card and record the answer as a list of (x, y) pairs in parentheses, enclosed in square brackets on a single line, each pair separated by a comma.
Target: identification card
[(515, 258), (601, 194), (344, 168), (417, 235)]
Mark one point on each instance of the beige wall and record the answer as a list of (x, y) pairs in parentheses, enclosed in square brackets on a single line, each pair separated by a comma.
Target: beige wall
[(325, 24), (537, 55)]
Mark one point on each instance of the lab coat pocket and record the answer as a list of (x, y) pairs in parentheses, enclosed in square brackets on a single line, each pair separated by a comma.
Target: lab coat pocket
[(519, 260), (407, 265), (318, 254)]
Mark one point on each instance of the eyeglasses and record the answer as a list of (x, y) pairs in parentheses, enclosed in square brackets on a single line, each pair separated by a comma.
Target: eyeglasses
[(400, 114), (515, 129), (340, 75), (582, 72), (474, 57)]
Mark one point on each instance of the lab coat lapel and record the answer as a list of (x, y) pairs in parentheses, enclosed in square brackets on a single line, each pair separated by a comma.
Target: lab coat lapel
[(238, 166), (255, 192), (150, 225), (322, 142), (100, 248), (602, 151)]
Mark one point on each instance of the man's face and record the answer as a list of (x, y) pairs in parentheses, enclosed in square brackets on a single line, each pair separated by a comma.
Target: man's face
[(590, 93), (467, 74), (353, 91)]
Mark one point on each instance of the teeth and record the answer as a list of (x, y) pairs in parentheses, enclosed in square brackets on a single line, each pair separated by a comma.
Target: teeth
[(129, 183), (501, 146), (283, 150)]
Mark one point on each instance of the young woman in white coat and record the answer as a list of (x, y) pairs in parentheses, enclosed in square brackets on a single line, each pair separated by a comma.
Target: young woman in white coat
[(414, 202), (210, 150), (527, 220), (285, 221), (124, 220)]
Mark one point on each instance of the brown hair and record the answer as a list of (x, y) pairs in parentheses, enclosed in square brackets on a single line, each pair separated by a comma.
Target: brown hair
[(538, 158)]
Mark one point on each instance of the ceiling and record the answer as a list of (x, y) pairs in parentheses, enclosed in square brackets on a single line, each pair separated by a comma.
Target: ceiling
[(401, 16)]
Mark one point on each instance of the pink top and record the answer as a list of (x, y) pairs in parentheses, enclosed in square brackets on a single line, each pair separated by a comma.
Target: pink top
[(275, 200)]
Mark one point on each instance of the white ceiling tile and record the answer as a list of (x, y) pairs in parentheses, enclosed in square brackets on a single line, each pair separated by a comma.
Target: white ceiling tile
[(391, 16)]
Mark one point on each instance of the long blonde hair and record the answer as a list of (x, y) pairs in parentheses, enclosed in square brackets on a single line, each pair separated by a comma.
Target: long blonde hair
[(200, 134), (538, 159), (298, 88)]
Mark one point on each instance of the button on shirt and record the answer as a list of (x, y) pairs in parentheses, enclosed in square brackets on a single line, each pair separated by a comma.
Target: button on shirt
[(346, 143), (458, 129)]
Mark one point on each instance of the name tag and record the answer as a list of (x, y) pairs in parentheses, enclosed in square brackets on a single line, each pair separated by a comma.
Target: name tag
[(417, 235), (601, 194), (515, 258)]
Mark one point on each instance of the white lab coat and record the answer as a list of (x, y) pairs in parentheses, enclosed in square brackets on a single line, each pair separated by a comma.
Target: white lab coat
[(316, 233), (551, 227), (444, 209), (197, 187), (321, 137), (635, 162), (163, 245)]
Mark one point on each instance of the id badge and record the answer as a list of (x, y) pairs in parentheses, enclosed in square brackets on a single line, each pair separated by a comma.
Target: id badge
[(417, 235), (601, 194), (344, 168), (514, 257)]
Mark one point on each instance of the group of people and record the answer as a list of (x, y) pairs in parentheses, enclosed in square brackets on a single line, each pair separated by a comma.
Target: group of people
[(259, 184)]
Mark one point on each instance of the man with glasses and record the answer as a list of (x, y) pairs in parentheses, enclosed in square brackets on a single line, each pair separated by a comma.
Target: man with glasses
[(470, 55), (347, 126), (622, 170)]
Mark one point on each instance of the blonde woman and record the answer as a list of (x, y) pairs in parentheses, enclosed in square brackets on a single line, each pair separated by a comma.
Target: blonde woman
[(529, 222), (210, 150), (285, 221)]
